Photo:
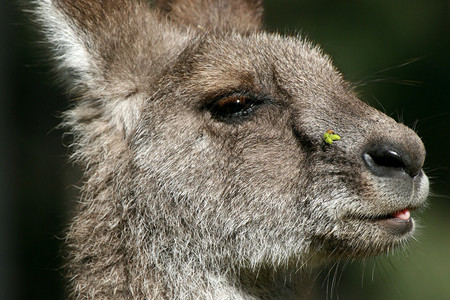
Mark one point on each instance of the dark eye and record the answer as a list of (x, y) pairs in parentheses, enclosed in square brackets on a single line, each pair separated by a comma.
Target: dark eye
[(234, 106)]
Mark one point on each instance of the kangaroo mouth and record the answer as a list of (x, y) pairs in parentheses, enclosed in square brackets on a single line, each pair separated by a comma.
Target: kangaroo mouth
[(398, 223)]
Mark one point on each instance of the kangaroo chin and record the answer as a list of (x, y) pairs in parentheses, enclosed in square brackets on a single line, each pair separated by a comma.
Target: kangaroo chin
[(220, 161)]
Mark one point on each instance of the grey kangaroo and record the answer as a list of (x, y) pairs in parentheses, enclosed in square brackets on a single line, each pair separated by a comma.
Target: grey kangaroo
[(220, 161)]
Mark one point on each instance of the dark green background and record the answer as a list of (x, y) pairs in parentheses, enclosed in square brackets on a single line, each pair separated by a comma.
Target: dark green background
[(397, 50)]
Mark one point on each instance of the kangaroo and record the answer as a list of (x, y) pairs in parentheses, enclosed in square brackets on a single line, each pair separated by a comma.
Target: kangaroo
[(220, 161)]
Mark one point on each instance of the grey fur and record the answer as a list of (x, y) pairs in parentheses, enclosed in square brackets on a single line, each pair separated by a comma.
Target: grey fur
[(182, 202)]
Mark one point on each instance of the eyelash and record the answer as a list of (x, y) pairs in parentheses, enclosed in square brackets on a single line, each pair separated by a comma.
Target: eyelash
[(234, 106)]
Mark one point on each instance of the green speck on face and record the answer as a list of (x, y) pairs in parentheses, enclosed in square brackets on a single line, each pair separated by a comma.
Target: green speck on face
[(335, 137), (330, 136), (328, 140)]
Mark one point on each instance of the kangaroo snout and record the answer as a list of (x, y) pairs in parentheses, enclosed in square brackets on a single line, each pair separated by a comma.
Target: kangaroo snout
[(387, 161), (396, 159)]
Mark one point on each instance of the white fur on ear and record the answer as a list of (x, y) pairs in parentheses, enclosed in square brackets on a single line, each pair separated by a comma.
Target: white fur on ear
[(67, 42)]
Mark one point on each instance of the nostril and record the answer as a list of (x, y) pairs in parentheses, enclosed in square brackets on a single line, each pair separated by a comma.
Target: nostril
[(387, 158), (387, 162)]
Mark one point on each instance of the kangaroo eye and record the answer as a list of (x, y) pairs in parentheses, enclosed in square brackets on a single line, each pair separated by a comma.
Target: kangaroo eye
[(234, 106)]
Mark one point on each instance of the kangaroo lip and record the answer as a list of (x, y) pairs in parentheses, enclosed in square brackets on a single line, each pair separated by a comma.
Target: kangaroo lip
[(404, 215), (397, 223), (401, 215)]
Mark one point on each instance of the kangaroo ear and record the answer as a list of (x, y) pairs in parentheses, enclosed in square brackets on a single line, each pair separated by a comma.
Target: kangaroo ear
[(109, 53), (105, 46), (217, 15)]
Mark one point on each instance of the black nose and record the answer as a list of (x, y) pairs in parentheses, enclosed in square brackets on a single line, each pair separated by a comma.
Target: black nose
[(391, 161)]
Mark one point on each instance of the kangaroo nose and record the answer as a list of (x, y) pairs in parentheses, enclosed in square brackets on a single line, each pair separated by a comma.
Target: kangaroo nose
[(391, 161)]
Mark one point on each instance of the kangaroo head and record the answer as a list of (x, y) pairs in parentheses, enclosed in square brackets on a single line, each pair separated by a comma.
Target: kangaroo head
[(202, 137)]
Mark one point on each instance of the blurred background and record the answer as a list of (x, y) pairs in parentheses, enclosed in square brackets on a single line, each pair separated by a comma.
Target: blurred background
[(398, 52)]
